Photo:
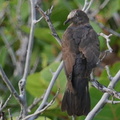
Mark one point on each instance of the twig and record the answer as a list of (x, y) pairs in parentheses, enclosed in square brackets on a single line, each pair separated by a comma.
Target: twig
[(105, 2), (102, 57), (113, 102), (5, 104), (90, 3), (22, 82), (35, 65), (107, 41), (104, 98), (47, 18), (10, 50), (10, 86), (10, 116), (48, 89), (105, 28), (42, 110), (104, 89), (35, 102), (85, 5), (108, 72), (73, 118)]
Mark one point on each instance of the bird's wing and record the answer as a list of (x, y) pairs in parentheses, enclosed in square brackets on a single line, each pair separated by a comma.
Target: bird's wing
[(68, 53), (88, 44)]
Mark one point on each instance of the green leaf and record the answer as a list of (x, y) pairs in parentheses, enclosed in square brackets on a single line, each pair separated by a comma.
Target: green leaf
[(37, 83)]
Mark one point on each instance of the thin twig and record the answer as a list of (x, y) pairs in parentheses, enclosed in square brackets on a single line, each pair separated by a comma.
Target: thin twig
[(104, 27), (48, 89), (105, 2), (90, 3), (10, 50), (35, 102), (47, 18), (10, 115), (42, 110), (5, 104), (85, 5), (113, 102), (107, 40), (108, 72), (104, 98), (105, 89), (9, 85), (22, 82)]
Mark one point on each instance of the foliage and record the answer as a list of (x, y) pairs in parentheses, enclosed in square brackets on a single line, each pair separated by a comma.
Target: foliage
[(15, 18)]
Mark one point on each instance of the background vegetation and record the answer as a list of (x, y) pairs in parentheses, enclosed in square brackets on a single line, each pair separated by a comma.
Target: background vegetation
[(14, 31)]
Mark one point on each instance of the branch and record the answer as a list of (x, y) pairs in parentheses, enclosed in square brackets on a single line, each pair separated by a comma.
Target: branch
[(104, 89), (10, 86), (105, 28), (42, 110), (10, 50), (87, 5), (107, 40), (95, 12), (10, 116), (5, 104), (108, 72), (35, 102), (113, 102), (22, 82), (47, 18), (55, 75), (104, 98)]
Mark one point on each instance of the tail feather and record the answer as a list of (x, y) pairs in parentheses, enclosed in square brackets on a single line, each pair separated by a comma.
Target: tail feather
[(78, 102)]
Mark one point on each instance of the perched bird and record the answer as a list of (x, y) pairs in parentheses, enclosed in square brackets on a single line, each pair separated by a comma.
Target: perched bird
[(80, 51)]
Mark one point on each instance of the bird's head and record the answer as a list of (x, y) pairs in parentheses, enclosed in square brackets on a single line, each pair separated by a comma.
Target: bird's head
[(77, 17)]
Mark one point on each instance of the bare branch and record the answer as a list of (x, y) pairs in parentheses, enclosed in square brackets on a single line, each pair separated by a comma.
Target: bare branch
[(104, 27), (108, 72), (90, 3), (105, 2), (85, 5), (9, 85), (104, 98), (113, 102), (102, 57), (10, 50), (35, 102), (10, 116), (55, 75), (107, 41), (104, 89), (22, 82), (42, 110), (5, 104), (47, 18)]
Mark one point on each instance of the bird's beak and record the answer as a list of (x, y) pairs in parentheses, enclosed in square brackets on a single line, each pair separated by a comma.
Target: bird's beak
[(67, 21)]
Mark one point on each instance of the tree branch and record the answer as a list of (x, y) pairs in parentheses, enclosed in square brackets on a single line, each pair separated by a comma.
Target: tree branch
[(104, 98), (47, 18), (107, 40), (87, 5), (10, 86), (43, 109), (5, 104), (45, 98)]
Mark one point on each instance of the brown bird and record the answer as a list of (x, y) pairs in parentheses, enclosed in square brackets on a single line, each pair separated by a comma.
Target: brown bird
[(80, 49)]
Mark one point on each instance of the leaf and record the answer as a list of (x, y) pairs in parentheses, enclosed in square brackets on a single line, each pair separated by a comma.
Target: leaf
[(37, 83), (43, 118)]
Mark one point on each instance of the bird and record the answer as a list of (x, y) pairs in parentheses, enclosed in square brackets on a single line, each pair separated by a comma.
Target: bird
[(80, 54)]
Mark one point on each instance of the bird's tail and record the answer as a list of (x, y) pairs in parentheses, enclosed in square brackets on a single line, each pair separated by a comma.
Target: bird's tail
[(77, 102)]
